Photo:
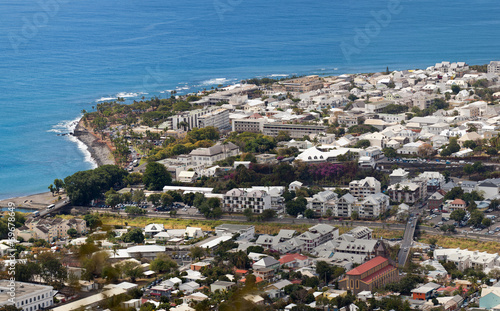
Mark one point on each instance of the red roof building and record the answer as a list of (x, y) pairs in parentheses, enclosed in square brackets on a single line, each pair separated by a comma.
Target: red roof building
[(294, 260), (369, 276)]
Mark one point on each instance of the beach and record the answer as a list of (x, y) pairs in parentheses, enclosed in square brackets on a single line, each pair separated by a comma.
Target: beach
[(33, 201), (98, 149)]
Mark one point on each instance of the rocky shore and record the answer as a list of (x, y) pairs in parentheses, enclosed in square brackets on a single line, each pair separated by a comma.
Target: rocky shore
[(99, 150)]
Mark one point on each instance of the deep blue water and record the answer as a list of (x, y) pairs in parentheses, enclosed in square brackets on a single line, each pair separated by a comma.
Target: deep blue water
[(84, 50)]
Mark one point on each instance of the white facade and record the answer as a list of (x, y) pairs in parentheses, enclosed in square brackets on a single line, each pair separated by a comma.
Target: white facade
[(237, 200), (28, 296)]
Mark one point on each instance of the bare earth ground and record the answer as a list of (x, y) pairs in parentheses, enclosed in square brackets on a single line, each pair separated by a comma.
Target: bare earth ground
[(35, 201)]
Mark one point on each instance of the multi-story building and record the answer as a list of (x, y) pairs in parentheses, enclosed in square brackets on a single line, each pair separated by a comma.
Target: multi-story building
[(51, 229), (370, 276), (248, 125), (317, 235), (494, 67), (238, 200), (345, 205), (465, 259), (218, 118), (349, 119), (294, 130), (318, 203), (188, 120), (398, 176), (373, 205), (28, 296), (208, 156), (407, 192), (364, 187)]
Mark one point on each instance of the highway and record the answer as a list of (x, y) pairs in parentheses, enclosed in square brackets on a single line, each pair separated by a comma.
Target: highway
[(57, 206)]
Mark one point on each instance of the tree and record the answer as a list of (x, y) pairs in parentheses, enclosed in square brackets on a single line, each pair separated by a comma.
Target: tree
[(268, 214), (162, 263), (309, 213), (197, 252), (297, 206), (92, 220), (468, 169), (455, 89), (363, 143), (59, 184), (113, 198), (154, 198), (433, 241), (72, 232), (134, 210), (132, 270), (425, 151), (133, 236), (476, 218), (52, 189), (51, 269), (354, 215), (248, 213), (457, 215), (156, 176), (390, 152), (486, 222), (491, 151)]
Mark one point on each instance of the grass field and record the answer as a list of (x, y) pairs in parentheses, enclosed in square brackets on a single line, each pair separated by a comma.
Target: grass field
[(470, 244)]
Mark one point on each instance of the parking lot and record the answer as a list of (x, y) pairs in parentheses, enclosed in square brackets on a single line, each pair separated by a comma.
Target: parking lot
[(437, 220)]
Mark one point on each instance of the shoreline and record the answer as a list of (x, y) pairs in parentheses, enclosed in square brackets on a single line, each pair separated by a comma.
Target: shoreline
[(99, 151)]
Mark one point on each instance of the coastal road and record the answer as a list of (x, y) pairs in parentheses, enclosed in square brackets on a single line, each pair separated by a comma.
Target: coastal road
[(57, 207)]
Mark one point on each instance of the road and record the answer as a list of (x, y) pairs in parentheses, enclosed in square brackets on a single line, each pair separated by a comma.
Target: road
[(57, 206), (407, 241)]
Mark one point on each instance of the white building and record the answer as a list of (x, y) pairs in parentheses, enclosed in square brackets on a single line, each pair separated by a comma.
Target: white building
[(364, 187), (208, 156), (237, 200), (218, 118), (28, 296)]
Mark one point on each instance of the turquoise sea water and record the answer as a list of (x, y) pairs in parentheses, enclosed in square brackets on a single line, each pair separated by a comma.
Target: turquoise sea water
[(59, 57)]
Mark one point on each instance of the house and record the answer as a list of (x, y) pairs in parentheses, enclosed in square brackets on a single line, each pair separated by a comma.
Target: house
[(187, 176), (266, 262), (294, 260), (370, 276), (435, 201), (153, 229), (489, 188), (221, 285), (245, 232), (294, 186), (425, 292), (490, 297), (457, 204)]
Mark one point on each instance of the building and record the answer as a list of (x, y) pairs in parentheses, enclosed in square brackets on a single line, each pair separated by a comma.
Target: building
[(244, 231), (221, 285), (457, 204), (494, 67), (248, 125), (318, 202), (398, 176), (238, 200), (50, 229), (345, 206), (465, 259), (373, 205), (435, 201), (208, 156), (187, 177), (407, 192), (370, 276), (361, 232), (294, 130), (425, 292), (28, 296), (218, 118), (364, 187), (317, 235)]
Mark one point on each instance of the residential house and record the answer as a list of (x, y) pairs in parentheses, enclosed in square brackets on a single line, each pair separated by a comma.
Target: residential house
[(222, 286), (457, 204), (425, 292), (208, 156), (245, 232)]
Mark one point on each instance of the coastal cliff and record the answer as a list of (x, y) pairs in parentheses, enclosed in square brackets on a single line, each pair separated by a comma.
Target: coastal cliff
[(100, 151)]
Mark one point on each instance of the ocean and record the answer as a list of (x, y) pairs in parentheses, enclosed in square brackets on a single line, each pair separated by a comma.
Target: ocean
[(58, 57)]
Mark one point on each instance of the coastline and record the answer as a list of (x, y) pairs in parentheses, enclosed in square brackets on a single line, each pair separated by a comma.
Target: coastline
[(99, 150)]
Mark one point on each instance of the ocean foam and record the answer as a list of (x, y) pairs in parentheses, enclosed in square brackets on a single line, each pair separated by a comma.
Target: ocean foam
[(105, 99), (68, 127), (215, 81)]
